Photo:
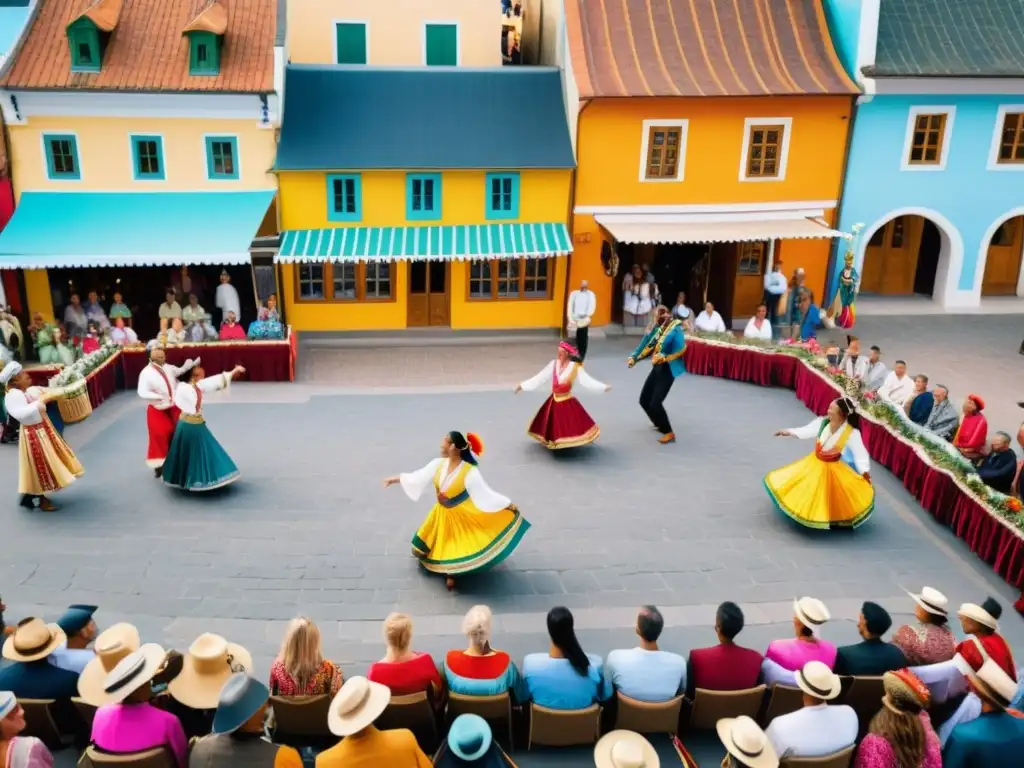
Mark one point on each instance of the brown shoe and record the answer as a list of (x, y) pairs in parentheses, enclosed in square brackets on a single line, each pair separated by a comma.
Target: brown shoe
[(450, 583), (46, 505), (666, 439)]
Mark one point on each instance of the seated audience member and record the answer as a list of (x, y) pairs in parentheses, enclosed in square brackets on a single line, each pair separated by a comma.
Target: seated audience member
[(93, 311), (995, 737), (817, 729), (565, 677), (121, 334), (709, 320), (833, 356), (745, 743), (999, 467), (625, 749), (759, 327), (470, 742), (726, 666), (646, 673), (897, 387), (113, 644), (268, 323), (128, 722), (236, 740), (682, 313), (784, 658), (170, 308), (32, 676), (973, 432), (351, 716), (901, 734), (119, 309), (80, 630), (192, 313), (918, 406), (230, 330), (300, 668), (929, 640), (943, 420), (854, 364), (808, 316), (981, 624), (872, 656), (91, 340), (176, 333), (402, 669), (481, 670), (874, 375), (17, 751)]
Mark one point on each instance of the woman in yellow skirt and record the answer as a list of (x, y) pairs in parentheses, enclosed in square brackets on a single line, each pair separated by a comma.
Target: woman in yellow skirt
[(470, 527), (830, 488)]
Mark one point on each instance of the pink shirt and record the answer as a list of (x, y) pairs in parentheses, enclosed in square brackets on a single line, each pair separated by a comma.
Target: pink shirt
[(793, 653), (121, 728), (875, 752), (232, 332)]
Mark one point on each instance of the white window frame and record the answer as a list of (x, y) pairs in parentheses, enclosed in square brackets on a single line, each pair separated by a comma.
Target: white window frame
[(997, 140), (334, 42), (787, 137), (441, 23), (684, 129), (949, 110)]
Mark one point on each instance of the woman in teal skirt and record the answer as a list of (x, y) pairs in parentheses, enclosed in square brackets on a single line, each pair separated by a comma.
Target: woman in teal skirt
[(196, 461)]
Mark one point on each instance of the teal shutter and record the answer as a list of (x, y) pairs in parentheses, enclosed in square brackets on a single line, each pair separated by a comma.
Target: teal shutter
[(351, 38), (442, 45)]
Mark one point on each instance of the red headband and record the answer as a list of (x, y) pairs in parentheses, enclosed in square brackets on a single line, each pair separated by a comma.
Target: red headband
[(568, 347)]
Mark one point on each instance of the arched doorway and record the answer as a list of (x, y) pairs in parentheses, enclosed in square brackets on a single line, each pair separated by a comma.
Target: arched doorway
[(903, 257), (1002, 264)]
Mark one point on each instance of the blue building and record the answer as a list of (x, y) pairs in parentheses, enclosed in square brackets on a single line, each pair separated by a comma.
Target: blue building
[(936, 159)]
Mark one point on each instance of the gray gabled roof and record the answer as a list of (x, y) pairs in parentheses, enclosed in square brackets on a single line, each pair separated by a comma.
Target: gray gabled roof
[(355, 117)]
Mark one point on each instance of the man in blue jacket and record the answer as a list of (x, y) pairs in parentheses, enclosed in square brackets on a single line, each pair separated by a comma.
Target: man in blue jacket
[(665, 345)]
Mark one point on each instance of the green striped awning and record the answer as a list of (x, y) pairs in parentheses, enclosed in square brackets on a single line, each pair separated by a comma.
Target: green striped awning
[(463, 243)]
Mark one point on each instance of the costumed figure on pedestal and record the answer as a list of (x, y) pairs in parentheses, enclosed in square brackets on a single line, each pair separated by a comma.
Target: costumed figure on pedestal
[(830, 488), (226, 298), (665, 344), (562, 421), (470, 527), (11, 335), (195, 460), (157, 384), (268, 325), (844, 306)]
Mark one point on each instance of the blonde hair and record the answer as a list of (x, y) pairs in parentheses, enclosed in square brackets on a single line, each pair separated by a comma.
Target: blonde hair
[(477, 625), (398, 631), (300, 651)]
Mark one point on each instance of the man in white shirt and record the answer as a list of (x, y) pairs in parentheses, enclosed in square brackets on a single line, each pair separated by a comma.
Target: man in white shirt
[(817, 729), (226, 298), (646, 673), (775, 285), (580, 311), (897, 386), (157, 384), (854, 364), (709, 320)]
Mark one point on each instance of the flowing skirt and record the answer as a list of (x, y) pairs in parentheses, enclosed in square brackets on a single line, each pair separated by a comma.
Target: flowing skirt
[(821, 494), (46, 463), (53, 413), (847, 316), (564, 424), (462, 539), (196, 461), (160, 425)]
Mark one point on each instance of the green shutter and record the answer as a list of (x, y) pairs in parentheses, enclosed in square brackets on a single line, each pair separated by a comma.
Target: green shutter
[(84, 42), (203, 53), (442, 45), (351, 37)]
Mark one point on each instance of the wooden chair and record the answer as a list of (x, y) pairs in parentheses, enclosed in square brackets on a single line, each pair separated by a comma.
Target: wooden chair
[(300, 716), (86, 711), (496, 710), (840, 759), (563, 727), (784, 699), (648, 717), (711, 706), (414, 711), (161, 757), (864, 694), (39, 722)]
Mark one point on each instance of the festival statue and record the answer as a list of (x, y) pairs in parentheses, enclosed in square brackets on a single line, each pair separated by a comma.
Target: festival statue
[(843, 312)]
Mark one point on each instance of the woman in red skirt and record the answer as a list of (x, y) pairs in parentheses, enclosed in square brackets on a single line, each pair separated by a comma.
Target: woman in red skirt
[(562, 422)]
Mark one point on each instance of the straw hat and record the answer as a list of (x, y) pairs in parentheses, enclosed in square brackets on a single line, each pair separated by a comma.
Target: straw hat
[(357, 705), (744, 740), (133, 672), (811, 612), (469, 737), (33, 639), (625, 749), (111, 647), (992, 683), (932, 601), (987, 614), (210, 661), (817, 680)]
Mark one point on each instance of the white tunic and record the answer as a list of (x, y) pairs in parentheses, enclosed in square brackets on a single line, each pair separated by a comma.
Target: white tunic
[(185, 394), (753, 332), (854, 454), (483, 498), (813, 731), (546, 376), (159, 390), (712, 322), (226, 300), (23, 407)]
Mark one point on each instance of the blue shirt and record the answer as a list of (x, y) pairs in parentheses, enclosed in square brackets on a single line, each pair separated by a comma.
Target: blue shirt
[(984, 742), (553, 683), (921, 407), (646, 675)]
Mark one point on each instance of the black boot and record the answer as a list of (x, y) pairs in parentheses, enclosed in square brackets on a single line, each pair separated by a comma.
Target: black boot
[(28, 501)]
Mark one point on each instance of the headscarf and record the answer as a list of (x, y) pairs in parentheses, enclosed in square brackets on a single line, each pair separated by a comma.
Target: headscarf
[(470, 446), (978, 401)]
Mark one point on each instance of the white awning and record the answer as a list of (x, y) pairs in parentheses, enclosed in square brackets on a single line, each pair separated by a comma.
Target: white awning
[(714, 228)]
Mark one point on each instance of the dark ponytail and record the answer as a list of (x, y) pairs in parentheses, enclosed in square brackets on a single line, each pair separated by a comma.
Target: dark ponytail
[(464, 446), (849, 410), (560, 628)]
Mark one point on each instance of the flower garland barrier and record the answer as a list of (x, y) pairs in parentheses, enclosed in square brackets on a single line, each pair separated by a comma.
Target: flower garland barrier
[(71, 376)]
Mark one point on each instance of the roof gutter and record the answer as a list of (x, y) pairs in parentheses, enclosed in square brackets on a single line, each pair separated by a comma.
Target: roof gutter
[(584, 103)]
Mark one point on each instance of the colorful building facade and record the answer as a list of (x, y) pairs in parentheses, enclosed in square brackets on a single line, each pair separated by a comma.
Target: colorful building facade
[(936, 166)]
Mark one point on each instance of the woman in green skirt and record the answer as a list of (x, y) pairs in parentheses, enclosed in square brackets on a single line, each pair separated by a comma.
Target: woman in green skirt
[(196, 461)]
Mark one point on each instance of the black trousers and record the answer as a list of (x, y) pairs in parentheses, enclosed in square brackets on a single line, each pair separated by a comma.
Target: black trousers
[(652, 396), (582, 339), (770, 300)]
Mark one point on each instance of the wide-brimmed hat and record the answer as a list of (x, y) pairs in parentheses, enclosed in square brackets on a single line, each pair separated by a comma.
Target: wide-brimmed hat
[(240, 699), (987, 614), (210, 661), (811, 612), (992, 683), (625, 749), (8, 703), (357, 705), (817, 680), (133, 672), (744, 740), (76, 618), (33, 639), (932, 601), (112, 645), (469, 737)]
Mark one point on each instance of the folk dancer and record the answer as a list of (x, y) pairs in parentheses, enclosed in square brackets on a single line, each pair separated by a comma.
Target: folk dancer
[(195, 460), (562, 421), (470, 527), (665, 344), (46, 464), (581, 309), (830, 488), (156, 384)]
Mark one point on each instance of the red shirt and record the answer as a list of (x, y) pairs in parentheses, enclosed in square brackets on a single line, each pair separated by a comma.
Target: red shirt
[(723, 667), (997, 649), (406, 677), (232, 332)]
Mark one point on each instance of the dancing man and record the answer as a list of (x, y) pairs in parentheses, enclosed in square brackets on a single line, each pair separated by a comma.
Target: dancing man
[(562, 421), (157, 384), (665, 345), (46, 464)]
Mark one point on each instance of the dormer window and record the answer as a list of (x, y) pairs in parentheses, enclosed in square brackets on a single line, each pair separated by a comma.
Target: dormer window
[(205, 35), (89, 33)]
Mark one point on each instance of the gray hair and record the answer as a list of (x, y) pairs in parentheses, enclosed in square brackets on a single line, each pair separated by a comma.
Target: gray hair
[(476, 625), (1004, 435)]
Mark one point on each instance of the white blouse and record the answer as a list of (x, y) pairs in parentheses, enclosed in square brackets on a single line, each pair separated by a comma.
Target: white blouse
[(185, 394), (854, 454), (753, 332), (483, 498), (160, 388), (546, 376), (712, 322), (23, 407)]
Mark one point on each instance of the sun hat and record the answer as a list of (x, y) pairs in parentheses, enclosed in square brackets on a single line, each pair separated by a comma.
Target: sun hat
[(8, 703), (744, 740), (931, 600), (905, 691), (112, 645), (993, 684), (33, 639), (817, 680), (240, 699), (357, 705), (625, 749), (76, 618), (469, 737), (210, 661), (811, 612), (133, 672), (986, 614)]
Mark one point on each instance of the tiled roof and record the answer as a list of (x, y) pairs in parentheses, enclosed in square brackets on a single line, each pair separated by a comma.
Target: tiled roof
[(147, 50), (103, 13), (338, 117), (703, 48), (950, 38), (212, 18)]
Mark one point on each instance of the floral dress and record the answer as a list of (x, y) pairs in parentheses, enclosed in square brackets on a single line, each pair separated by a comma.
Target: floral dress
[(326, 681), (268, 326)]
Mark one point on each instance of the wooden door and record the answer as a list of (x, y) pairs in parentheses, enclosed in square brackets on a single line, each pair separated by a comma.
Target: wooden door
[(890, 259), (722, 279), (749, 288), (1002, 267), (428, 293)]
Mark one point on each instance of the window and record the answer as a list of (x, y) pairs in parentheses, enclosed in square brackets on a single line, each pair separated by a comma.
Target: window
[(221, 157), (510, 279), (764, 150), (345, 281), (203, 53), (927, 141), (147, 158), (84, 42), (441, 45), (662, 152), (423, 196), (1006, 234), (1011, 142), (61, 157), (350, 42), (502, 195), (344, 198), (751, 259)]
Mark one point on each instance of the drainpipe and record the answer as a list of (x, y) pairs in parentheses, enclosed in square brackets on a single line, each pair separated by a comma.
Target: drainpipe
[(834, 256), (572, 209)]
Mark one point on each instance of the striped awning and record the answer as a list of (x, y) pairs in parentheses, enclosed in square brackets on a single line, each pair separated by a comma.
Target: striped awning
[(469, 242), (717, 228)]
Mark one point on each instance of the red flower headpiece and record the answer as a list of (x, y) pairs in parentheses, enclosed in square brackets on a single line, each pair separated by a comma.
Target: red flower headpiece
[(476, 445), (568, 348)]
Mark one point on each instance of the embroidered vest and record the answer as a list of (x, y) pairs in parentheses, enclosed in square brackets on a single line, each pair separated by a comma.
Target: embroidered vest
[(456, 492), (563, 390), (836, 451)]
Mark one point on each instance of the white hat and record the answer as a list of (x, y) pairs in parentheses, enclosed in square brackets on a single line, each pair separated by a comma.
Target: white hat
[(153, 344), (10, 370), (979, 614), (811, 612), (8, 702), (932, 601), (817, 680), (112, 646), (210, 661), (133, 672), (992, 683), (744, 740), (625, 749), (357, 705)]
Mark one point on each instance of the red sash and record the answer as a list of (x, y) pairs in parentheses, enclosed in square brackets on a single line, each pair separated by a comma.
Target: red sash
[(167, 381)]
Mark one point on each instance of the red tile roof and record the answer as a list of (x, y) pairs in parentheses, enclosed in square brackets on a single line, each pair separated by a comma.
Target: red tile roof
[(147, 50)]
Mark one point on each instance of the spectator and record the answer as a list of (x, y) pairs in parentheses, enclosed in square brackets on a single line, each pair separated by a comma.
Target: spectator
[(1018, 484), (636, 297), (119, 309), (176, 334), (402, 669), (897, 387), (872, 656), (996, 735), (193, 313), (91, 341), (683, 313), (808, 317), (709, 320), (1000, 466), (817, 729), (901, 734), (918, 406), (74, 317), (80, 630), (268, 323), (726, 666), (854, 364), (929, 640), (876, 371), (18, 751), (759, 327), (226, 298), (565, 677), (170, 309), (785, 658), (973, 432), (943, 420), (579, 314), (746, 744), (94, 311), (624, 749), (981, 623), (32, 676), (230, 329), (646, 673), (480, 670), (121, 334), (795, 315), (112, 646), (775, 287), (300, 668), (470, 742)]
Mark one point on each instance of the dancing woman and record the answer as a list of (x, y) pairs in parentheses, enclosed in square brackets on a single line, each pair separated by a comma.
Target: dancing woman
[(830, 488), (470, 527)]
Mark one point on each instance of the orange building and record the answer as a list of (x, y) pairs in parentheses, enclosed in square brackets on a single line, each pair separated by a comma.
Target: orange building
[(709, 144)]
